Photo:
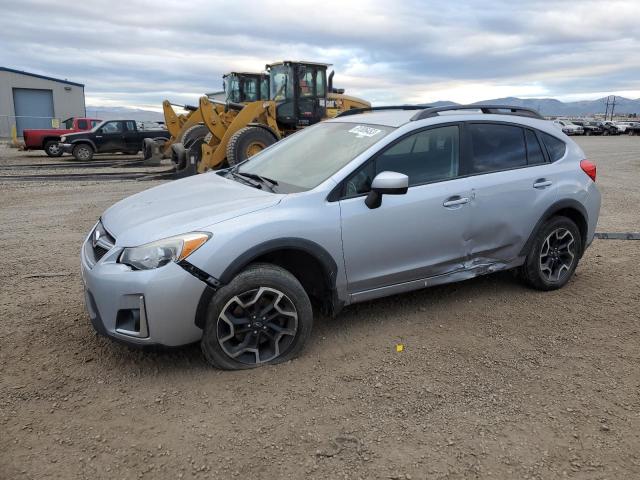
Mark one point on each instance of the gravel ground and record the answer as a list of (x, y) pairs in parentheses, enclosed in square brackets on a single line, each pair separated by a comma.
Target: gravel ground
[(495, 381)]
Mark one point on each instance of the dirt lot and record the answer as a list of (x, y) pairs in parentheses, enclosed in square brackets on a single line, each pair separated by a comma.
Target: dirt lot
[(496, 380)]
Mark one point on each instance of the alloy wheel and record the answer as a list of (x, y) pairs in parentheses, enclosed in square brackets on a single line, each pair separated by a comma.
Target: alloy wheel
[(257, 326), (557, 254)]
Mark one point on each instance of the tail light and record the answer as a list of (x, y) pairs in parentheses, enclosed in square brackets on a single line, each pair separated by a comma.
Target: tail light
[(589, 168)]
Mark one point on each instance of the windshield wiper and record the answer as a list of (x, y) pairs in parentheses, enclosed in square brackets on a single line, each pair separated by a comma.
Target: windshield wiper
[(247, 180), (260, 178)]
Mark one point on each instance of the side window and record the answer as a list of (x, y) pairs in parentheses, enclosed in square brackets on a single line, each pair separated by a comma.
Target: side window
[(305, 81), (360, 181), (555, 147), (534, 151), (131, 126), (112, 127), (82, 124), (264, 89), (319, 83), (427, 156), (496, 147), (94, 123)]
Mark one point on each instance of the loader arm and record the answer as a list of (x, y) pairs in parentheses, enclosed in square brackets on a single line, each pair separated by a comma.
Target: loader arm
[(222, 125)]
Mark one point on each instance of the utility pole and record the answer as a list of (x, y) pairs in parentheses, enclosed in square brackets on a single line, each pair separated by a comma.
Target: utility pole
[(613, 107), (606, 111)]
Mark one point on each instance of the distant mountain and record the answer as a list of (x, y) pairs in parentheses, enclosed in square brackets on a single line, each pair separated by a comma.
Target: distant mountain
[(124, 113), (546, 106), (553, 107)]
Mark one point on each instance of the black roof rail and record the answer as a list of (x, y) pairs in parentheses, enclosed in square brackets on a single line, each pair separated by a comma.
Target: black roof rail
[(486, 109), (355, 111)]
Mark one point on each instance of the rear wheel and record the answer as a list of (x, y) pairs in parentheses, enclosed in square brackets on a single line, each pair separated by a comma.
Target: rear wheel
[(263, 316), (193, 133), (83, 152), (52, 148), (554, 254), (587, 133), (246, 142)]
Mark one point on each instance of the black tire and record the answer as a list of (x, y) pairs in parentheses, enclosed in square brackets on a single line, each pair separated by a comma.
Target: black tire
[(533, 272), (83, 152), (605, 132), (194, 133), (248, 285), (52, 148), (587, 133), (247, 140)]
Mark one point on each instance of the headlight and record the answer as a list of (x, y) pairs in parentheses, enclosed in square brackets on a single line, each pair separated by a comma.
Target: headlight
[(63, 139), (159, 253)]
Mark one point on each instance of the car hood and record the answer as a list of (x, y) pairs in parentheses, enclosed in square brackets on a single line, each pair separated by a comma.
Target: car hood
[(182, 206)]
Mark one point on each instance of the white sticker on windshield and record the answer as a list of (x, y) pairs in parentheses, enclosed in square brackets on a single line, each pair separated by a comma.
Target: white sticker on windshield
[(362, 131)]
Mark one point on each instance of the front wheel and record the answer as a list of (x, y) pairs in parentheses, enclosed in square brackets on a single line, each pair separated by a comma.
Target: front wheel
[(263, 316), (554, 254), (52, 148), (246, 142), (83, 152)]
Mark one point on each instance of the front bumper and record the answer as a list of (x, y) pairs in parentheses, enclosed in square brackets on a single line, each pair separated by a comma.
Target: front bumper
[(143, 307), (66, 147)]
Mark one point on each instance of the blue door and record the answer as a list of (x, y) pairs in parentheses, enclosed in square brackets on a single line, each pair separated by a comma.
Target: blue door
[(33, 108)]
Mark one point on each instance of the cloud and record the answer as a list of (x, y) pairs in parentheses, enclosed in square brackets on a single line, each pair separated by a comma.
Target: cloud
[(139, 52)]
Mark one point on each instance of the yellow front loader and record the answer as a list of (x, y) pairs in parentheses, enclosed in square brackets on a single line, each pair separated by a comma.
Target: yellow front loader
[(240, 87), (299, 97)]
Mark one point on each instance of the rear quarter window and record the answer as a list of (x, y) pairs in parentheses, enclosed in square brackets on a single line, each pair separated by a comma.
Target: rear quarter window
[(555, 147), (82, 124)]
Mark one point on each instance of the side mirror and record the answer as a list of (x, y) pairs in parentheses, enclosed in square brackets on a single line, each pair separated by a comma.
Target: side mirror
[(386, 183)]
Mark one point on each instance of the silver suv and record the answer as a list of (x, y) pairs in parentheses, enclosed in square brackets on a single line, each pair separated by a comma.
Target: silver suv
[(369, 204)]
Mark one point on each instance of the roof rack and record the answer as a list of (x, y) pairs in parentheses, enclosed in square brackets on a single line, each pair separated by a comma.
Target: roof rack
[(355, 111), (486, 109)]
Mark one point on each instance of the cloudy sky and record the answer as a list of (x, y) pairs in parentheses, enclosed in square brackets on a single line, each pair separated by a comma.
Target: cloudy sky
[(138, 52)]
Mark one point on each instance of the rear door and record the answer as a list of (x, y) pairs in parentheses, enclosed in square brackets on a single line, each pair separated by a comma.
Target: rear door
[(110, 137), (511, 187), (132, 138), (409, 237)]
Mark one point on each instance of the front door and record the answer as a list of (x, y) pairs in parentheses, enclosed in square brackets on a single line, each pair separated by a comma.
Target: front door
[(110, 137), (414, 236)]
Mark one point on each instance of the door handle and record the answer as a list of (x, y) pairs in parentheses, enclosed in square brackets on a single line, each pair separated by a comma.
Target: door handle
[(454, 201), (542, 183)]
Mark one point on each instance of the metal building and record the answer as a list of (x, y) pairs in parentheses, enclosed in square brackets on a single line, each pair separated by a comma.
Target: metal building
[(29, 100)]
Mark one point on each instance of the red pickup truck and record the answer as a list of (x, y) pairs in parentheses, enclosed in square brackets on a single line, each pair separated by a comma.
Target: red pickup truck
[(48, 140)]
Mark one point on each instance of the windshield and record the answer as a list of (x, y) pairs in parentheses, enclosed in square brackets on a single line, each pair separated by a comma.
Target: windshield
[(281, 86), (306, 159), (232, 87)]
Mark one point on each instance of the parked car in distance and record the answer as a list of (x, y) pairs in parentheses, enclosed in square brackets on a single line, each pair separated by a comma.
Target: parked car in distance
[(48, 139), (623, 126), (109, 137), (590, 127), (633, 128), (354, 208), (568, 127), (609, 128)]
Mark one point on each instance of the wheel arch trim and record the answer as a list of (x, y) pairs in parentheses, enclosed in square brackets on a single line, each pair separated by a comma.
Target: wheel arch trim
[(550, 212), (288, 243)]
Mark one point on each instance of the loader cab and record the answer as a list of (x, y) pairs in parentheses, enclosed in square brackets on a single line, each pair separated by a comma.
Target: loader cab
[(300, 92), (242, 87)]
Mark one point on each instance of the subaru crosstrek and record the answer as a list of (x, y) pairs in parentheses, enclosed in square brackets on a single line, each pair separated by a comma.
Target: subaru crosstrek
[(351, 209)]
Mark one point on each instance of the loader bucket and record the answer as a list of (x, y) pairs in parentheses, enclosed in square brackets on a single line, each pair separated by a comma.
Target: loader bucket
[(185, 167), (153, 151)]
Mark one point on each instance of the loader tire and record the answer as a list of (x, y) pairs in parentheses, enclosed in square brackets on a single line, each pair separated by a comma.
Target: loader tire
[(247, 142), (193, 133)]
